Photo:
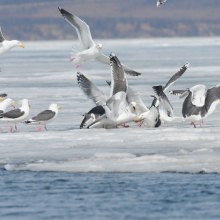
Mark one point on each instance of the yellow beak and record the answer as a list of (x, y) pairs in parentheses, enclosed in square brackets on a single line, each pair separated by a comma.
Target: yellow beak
[(137, 119), (59, 108), (2, 99), (22, 46), (13, 106), (134, 107), (16, 103), (29, 105), (101, 48)]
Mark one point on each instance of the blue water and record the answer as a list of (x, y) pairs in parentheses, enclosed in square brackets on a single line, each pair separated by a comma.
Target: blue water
[(49, 195)]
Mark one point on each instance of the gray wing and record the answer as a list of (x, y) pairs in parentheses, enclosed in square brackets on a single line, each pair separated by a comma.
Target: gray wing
[(91, 90), (44, 116), (82, 29), (3, 95), (181, 93), (16, 113), (134, 96), (1, 111), (118, 82), (212, 95), (176, 76), (1, 36), (164, 101), (105, 60)]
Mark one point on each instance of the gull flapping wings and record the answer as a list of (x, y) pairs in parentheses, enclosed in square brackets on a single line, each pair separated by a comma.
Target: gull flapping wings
[(198, 95), (212, 95), (134, 96), (180, 93), (82, 29), (160, 2), (1, 36), (176, 76), (91, 90), (118, 79), (105, 60), (164, 101)]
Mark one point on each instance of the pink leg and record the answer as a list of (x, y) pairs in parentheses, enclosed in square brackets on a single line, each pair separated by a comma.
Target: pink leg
[(0, 70), (11, 129), (1, 129), (202, 122), (80, 64), (39, 129), (117, 126), (140, 124), (74, 58), (193, 123), (125, 126), (45, 127), (16, 128)]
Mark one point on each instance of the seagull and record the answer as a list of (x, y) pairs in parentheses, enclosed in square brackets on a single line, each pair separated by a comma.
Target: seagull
[(165, 108), (198, 103), (17, 115), (160, 2), (6, 45), (121, 111), (89, 49), (44, 117), (152, 116), (5, 104)]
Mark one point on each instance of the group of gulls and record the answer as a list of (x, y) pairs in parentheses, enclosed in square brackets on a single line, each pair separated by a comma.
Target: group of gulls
[(124, 104)]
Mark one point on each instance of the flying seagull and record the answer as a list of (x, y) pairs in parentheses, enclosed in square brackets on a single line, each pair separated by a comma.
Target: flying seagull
[(45, 117), (6, 45), (90, 50), (160, 2)]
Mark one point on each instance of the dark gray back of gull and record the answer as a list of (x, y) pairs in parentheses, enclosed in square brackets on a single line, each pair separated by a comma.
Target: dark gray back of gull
[(44, 116), (16, 113)]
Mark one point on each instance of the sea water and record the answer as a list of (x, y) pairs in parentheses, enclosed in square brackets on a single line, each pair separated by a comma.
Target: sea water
[(160, 169)]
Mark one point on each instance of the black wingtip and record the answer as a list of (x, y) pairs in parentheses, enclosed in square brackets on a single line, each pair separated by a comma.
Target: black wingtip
[(158, 90), (3, 95)]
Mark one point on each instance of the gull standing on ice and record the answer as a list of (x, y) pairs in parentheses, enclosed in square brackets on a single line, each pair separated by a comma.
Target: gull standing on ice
[(198, 104), (90, 49), (6, 45), (165, 108), (5, 104), (44, 117), (160, 2), (15, 116)]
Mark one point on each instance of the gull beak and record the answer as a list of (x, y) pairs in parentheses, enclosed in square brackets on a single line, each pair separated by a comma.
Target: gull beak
[(59, 108), (101, 48), (13, 106), (134, 107), (29, 106), (2, 99), (22, 46), (16, 103), (137, 119)]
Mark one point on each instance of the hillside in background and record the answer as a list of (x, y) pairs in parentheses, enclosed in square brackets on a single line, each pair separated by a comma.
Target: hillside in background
[(41, 20)]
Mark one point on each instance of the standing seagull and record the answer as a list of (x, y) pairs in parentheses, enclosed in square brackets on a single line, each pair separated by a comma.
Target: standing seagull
[(160, 2), (5, 104), (90, 49), (6, 45), (44, 117), (165, 108), (17, 115), (199, 104)]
